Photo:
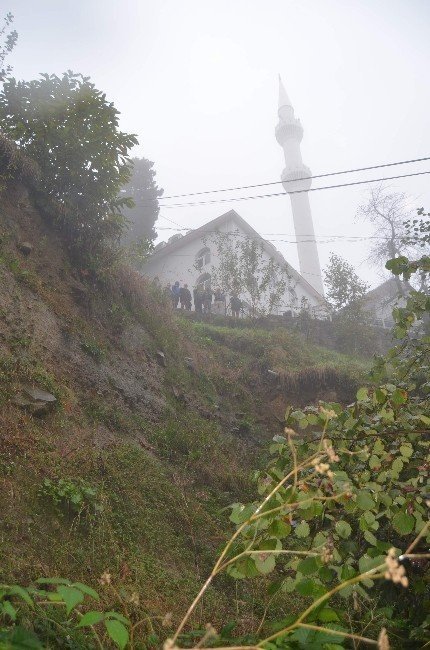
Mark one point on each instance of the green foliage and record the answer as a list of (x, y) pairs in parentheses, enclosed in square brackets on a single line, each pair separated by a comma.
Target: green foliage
[(71, 130), (8, 41), (345, 290), (351, 495), (94, 349), (145, 193), (244, 271), (51, 593), (72, 496)]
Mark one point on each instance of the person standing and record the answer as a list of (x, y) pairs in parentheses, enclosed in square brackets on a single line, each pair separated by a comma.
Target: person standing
[(198, 300), (175, 291), (185, 297), (219, 302), (207, 300)]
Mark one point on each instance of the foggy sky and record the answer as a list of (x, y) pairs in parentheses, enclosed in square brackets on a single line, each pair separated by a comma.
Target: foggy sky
[(196, 80)]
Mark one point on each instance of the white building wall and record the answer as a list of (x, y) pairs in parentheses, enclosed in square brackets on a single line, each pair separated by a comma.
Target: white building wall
[(178, 265)]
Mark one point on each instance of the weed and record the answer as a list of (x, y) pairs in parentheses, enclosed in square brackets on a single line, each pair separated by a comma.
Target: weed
[(72, 496), (93, 349)]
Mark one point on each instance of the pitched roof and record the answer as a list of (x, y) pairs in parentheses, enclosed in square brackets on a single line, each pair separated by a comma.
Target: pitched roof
[(387, 290), (214, 225)]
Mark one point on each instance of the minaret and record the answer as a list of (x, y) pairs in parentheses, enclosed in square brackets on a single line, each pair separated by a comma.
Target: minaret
[(289, 134)]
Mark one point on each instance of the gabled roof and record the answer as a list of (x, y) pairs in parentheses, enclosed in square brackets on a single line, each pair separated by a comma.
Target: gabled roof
[(216, 224), (388, 290)]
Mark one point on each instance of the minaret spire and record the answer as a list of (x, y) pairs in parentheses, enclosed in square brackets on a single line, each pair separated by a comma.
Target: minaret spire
[(284, 100), (296, 182)]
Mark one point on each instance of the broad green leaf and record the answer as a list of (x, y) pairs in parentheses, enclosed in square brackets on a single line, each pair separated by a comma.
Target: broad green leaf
[(378, 447), (364, 500), (403, 523), (327, 615), (70, 596), (399, 396), (370, 537), (366, 563), (362, 394), (19, 639), (90, 618), (86, 590), (406, 449), (117, 632), (16, 590), (309, 587), (302, 530), (8, 609), (343, 529), (374, 461), (397, 465), (241, 513), (265, 562), (308, 566), (279, 528)]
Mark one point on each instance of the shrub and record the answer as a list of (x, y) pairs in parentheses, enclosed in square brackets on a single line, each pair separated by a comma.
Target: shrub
[(70, 129)]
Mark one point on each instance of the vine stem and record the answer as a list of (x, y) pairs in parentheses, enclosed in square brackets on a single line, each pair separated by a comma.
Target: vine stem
[(334, 497), (346, 635), (417, 538), (254, 516), (267, 552), (368, 574)]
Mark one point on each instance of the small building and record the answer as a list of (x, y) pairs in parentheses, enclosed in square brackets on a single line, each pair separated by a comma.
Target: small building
[(192, 259), (380, 302)]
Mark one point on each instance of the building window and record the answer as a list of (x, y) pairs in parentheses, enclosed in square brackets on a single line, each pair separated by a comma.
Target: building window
[(204, 282), (203, 258)]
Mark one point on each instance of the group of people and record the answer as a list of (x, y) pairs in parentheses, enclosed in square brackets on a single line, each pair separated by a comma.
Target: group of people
[(205, 300)]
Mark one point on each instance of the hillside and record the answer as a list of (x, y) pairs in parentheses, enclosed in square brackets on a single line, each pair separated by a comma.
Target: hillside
[(156, 426)]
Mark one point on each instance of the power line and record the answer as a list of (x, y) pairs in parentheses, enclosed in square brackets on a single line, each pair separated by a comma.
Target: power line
[(249, 187), (280, 234), (273, 194), (327, 239)]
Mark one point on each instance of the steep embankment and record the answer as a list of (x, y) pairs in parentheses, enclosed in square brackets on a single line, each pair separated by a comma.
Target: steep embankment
[(156, 425)]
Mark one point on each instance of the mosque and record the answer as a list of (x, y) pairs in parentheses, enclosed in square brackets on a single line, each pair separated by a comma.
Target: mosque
[(192, 258)]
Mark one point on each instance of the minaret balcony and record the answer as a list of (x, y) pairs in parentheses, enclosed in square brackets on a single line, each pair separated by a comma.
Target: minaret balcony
[(288, 131), (296, 179)]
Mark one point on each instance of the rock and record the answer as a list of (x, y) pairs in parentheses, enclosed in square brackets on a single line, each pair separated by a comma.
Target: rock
[(35, 400), (161, 358), (38, 395), (24, 247)]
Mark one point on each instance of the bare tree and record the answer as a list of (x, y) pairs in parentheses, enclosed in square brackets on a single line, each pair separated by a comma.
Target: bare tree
[(387, 212)]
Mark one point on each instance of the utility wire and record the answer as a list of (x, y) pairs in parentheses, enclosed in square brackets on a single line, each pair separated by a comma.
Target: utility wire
[(280, 234), (249, 187), (312, 189)]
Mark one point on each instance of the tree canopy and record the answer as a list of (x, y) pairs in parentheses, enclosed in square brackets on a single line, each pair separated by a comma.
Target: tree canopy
[(344, 287), (71, 130), (145, 193), (8, 41), (243, 270)]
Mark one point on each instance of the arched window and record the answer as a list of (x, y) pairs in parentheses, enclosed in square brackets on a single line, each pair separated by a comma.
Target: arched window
[(204, 281), (203, 258)]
